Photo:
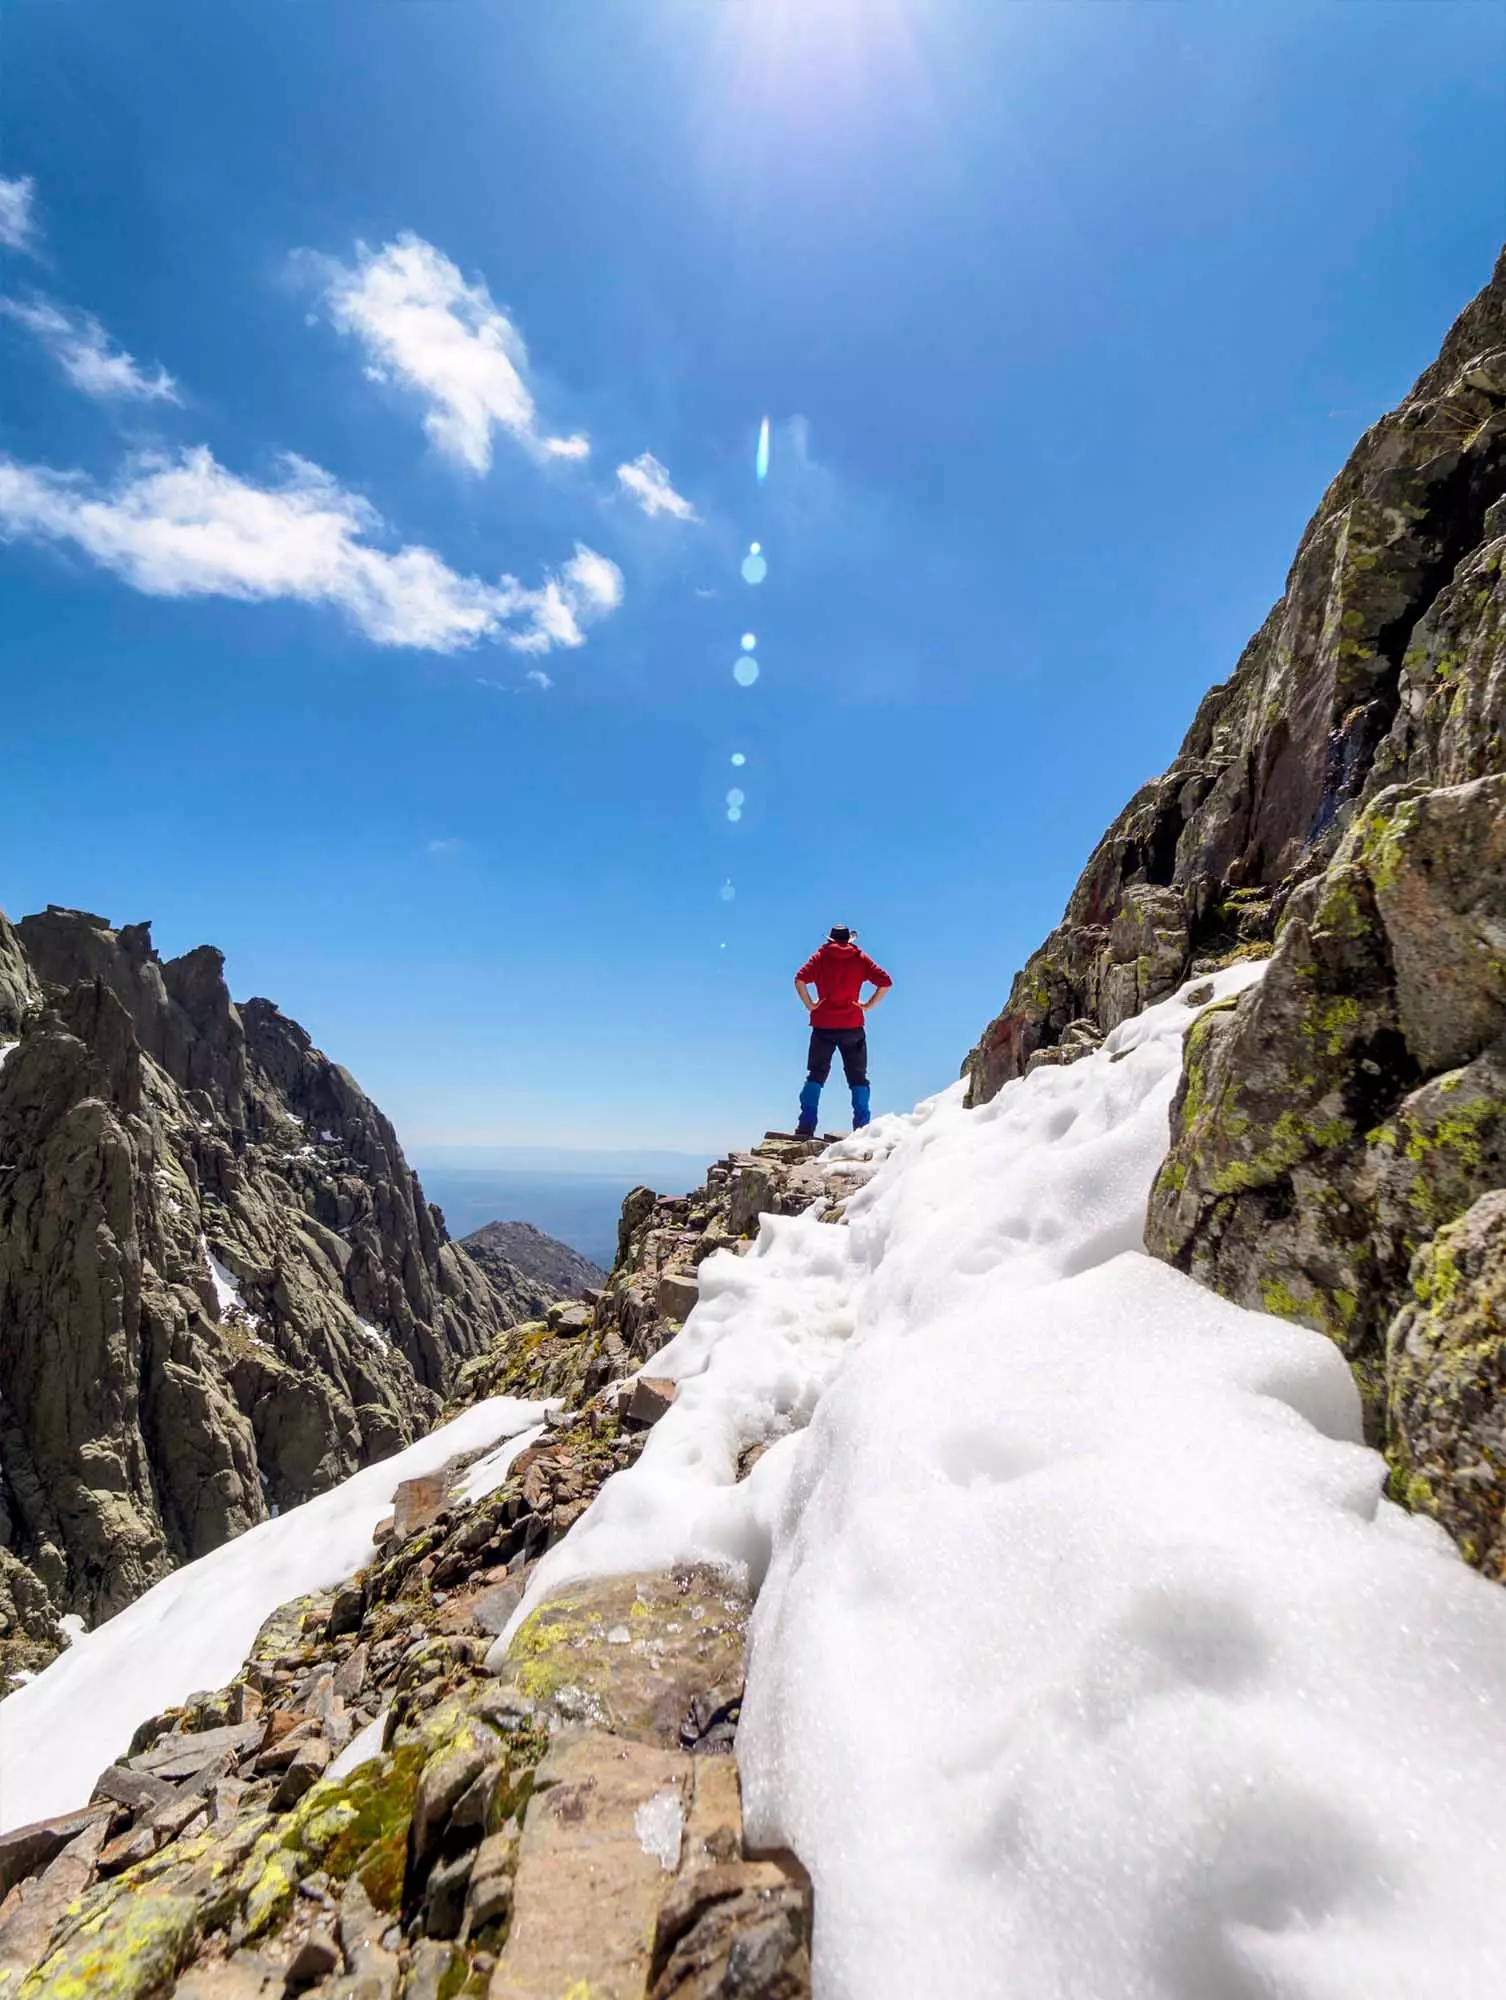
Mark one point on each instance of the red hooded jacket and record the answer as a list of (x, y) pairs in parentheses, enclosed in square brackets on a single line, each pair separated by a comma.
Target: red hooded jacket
[(837, 971)]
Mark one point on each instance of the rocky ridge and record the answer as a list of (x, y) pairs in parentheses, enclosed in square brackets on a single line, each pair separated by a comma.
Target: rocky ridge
[(221, 1287), (1339, 1140), (570, 1824), (523, 1262)]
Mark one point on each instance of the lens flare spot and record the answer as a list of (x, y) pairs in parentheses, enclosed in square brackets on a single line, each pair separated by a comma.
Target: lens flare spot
[(738, 759), (750, 640), (755, 548), (727, 892), (746, 671), (761, 455), (736, 797), (734, 813), (755, 569)]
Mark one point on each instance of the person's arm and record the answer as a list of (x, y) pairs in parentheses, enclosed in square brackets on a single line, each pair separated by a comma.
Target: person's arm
[(807, 997), (879, 980)]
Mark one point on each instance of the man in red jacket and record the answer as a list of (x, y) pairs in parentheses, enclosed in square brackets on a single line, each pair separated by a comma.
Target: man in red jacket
[(840, 972)]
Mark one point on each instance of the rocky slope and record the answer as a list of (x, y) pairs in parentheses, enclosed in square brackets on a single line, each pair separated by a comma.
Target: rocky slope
[(540, 1267), (221, 1288), (570, 1824), (1340, 803)]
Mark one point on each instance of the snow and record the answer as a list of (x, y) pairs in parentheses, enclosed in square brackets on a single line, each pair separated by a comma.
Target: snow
[(5, 1049), (1089, 1662), (227, 1292), (660, 1825), (488, 1473), (194, 1629), (362, 1747)]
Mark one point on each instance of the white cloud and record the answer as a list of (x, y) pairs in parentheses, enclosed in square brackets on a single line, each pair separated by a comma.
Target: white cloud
[(17, 221), (539, 678), (81, 348), (648, 482), (425, 327), (586, 588), (444, 846), (185, 527)]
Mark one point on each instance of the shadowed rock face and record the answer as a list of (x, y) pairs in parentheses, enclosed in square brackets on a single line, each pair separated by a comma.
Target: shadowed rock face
[(1340, 802), (221, 1288)]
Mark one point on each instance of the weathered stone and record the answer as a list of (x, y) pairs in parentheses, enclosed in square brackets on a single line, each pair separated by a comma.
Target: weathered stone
[(491, 1610), (568, 1319), (27, 1849), (632, 1653), (648, 1399), (435, 1971), (740, 1928), (417, 1503), (314, 1959), (177, 1757), (678, 1294), (133, 1787), (592, 1869), (39, 1904), (245, 1976), (307, 1766), (1447, 1384), (1309, 1158), (489, 1893)]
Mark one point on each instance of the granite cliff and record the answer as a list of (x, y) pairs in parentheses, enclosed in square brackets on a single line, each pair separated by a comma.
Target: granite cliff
[(1339, 804), (221, 1288)]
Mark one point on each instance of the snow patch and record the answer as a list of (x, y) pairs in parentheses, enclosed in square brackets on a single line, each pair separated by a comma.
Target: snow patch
[(488, 1473), (362, 1747), (659, 1824), (195, 1628), (1089, 1662), (231, 1305)]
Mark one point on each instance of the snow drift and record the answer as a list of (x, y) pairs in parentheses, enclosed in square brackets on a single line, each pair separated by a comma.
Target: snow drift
[(193, 1630), (1089, 1662)]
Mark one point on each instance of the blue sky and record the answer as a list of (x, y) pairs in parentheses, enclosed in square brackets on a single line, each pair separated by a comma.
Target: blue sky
[(367, 364)]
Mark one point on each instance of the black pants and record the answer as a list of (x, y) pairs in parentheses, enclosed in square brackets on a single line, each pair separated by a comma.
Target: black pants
[(853, 1043)]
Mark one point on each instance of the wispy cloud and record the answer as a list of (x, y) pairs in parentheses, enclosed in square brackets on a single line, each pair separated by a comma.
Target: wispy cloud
[(648, 482), (585, 589), (444, 846), (17, 213), (186, 527), (82, 349), (539, 678), (424, 327)]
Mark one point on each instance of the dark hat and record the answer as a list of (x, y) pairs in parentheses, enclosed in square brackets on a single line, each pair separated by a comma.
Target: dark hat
[(841, 934)]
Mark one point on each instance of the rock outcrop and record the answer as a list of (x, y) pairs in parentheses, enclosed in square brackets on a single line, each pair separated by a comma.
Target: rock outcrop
[(575, 1350), (221, 1288), (1340, 804), (367, 1810), (526, 1265), (1380, 663)]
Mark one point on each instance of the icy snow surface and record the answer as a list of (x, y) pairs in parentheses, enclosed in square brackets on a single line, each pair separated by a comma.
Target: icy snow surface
[(227, 1292), (1089, 1662), (194, 1629), (488, 1473)]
